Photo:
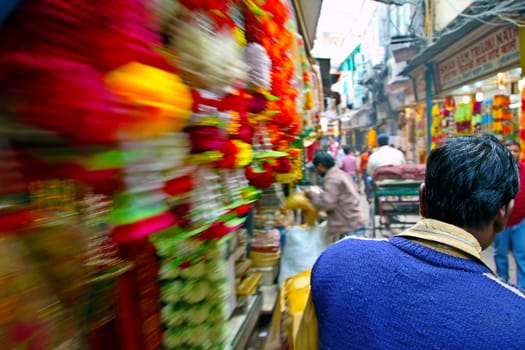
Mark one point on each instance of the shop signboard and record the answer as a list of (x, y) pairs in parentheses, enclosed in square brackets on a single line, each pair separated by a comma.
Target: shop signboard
[(486, 55)]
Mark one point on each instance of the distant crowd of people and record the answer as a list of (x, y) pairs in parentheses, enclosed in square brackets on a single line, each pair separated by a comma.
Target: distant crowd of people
[(361, 164), (341, 176)]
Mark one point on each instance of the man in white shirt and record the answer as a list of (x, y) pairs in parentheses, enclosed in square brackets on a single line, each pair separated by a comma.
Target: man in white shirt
[(385, 155)]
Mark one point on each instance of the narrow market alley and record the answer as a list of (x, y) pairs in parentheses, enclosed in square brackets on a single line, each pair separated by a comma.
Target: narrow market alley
[(171, 171)]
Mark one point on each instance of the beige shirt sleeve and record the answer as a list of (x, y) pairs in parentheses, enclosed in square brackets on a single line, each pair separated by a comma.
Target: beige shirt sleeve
[(327, 198)]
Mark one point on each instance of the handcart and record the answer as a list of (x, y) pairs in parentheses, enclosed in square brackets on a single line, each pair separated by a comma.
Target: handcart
[(395, 197)]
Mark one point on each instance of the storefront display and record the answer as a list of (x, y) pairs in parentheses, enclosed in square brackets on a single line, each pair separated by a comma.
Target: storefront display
[(489, 106), (162, 124), (412, 124), (476, 83)]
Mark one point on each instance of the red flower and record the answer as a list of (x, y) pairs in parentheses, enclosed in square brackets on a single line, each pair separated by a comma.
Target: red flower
[(229, 153), (260, 179), (244, 131), (208, 5), (179, 185), (143, 228), (282, 166), (234, 102)]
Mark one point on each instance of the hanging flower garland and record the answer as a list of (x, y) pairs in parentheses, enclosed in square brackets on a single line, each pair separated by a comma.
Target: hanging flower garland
[(53, 66), (307, 80), (266, 24), (206, 47)]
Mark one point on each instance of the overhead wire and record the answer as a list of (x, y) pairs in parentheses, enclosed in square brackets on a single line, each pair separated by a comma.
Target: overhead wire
[(513, 21), (499, 10), (486, 12)]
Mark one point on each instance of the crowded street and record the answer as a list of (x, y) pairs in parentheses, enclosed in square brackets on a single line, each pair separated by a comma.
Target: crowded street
[(262, 174)]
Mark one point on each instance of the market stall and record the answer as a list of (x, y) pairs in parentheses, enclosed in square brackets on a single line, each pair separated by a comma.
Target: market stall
[(477, 84), (480, 86), (136, 142)]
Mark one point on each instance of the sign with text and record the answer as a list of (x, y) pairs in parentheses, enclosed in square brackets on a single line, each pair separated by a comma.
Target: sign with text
[(486, 55)]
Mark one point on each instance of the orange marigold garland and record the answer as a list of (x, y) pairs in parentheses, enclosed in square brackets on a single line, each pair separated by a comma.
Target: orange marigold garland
[(266, 24)]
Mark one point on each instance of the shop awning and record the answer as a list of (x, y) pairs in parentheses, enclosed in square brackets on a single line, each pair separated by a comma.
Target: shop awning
[(351, 118), (330, 115), (440, 45), (307, 12), (453, 35)]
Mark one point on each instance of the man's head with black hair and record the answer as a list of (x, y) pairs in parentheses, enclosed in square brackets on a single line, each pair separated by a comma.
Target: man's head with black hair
[(471, 182), (323, 161)]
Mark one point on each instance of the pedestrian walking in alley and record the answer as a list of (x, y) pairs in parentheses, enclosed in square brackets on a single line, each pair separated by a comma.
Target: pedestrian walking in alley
[(348, 163), (428, 287), (385, 155), (333, 146), (512, 239), (367, 151), (339, 198)]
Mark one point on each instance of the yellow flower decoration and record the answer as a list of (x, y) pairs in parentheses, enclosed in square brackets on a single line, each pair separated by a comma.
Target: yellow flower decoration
[(240, 38), (168, 98), (244, 154)]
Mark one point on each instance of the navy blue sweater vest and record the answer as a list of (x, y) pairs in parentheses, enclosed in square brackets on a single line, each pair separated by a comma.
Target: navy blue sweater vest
[(398, 294)]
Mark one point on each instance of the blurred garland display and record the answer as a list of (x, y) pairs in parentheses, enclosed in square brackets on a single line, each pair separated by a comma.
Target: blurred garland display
[(161, 143)]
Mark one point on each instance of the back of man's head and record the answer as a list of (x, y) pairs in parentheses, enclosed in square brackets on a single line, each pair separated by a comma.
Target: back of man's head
[(323, 158), (347, 149), (468, 180), (382, 139)]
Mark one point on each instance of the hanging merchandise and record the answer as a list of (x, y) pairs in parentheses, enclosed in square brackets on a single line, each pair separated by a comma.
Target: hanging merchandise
[(437, 129), (449, 108), (463, 118), (60, 86), (206, 48), (371, 138), (144, 135), (88, 79), (162, 95), (448, 121), (487, 118), (294, 169), (307, 78), (140, 209), (266, 23), (497, 113), (477, 117), (259, 66), (503, 124), (194, 293)]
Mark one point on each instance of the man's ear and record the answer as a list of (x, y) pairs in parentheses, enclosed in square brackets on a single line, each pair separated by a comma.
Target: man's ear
[(422, 203), (503, 216)]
